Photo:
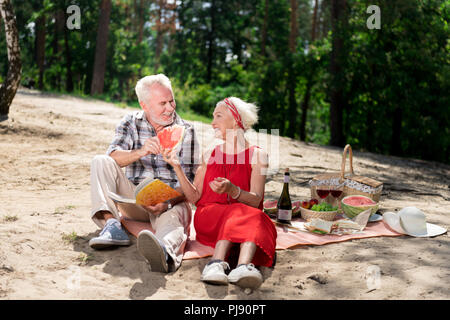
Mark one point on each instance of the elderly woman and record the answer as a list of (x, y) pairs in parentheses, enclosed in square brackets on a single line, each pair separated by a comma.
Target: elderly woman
[(228, 190)]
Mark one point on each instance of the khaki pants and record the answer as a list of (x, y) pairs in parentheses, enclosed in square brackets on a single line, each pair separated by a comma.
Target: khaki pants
[(171, 227)]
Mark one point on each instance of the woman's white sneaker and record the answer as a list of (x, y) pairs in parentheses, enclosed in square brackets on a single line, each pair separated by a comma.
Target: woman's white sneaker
[(246, 276), (214, 273)]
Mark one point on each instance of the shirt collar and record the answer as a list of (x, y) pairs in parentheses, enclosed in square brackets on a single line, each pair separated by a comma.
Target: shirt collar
[(140, 115)]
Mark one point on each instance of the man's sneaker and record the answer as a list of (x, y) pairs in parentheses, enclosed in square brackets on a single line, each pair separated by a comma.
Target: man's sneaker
[(153, 251), (246, 276), (111, 235), (214, 273)]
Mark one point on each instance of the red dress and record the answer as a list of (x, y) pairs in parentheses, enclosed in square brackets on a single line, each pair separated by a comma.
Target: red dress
[(218, 217)]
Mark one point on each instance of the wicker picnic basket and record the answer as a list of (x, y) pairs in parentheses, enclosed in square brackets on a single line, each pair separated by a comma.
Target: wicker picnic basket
[(324, 215), (353, 184)]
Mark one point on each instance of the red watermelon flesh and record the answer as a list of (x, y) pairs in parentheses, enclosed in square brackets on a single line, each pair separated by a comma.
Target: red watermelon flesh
[(171, 136), (296, 207), (358, 201), (270, 207)]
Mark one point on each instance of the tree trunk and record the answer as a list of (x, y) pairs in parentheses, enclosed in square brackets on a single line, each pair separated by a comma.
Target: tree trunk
[(309, 79), (40, 49), (323, 18), (69, 76), (264, 28), (59, 29), (337, 100), (305, 106), (141, 21), (8, 89), (98, 79), (292, 78), (314, 21), (159, 34), (294, 29)]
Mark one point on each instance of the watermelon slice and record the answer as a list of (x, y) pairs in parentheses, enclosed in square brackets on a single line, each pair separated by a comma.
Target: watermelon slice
[(170, 137), (270, 207), (296, 208), (355, 204)]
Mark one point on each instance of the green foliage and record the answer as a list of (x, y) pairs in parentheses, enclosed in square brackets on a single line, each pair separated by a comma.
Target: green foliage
[(394, 81)]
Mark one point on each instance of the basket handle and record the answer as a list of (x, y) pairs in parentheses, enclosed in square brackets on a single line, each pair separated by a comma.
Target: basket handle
[(344, 158)]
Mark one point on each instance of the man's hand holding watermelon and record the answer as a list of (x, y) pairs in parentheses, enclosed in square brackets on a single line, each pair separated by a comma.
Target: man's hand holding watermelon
[(151, 146)]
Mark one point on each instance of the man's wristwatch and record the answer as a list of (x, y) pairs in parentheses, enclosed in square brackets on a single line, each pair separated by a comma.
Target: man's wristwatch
[(169, 205)]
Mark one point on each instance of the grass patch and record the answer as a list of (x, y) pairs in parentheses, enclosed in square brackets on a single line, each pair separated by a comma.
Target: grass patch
[(10, 218), (84, 258), (188, 115), (192, 116), (70, 237), (63, 210)]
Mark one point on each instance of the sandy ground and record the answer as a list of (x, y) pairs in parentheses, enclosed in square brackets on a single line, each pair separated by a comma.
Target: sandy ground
[(46, 147)]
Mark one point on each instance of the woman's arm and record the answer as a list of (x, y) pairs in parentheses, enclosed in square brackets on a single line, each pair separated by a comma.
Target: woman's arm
[(191, 190), (257, 180)]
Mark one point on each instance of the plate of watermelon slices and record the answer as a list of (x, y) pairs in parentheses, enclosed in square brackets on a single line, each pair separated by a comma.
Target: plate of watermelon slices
[(375, 217), (270, 208)]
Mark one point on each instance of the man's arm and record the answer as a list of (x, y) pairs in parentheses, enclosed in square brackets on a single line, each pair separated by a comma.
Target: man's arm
[(127, 157)]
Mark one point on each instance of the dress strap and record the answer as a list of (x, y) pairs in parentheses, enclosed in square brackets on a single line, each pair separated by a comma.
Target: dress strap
[(250, 153)]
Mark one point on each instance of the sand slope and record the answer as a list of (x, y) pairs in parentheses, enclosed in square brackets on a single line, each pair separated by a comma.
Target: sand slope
[(47, 145)]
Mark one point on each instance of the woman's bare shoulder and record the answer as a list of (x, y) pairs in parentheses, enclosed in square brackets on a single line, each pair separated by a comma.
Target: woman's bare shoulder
[(260, 156)]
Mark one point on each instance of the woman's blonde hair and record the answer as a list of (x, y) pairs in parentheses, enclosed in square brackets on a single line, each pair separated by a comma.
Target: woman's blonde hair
[(247, 111)]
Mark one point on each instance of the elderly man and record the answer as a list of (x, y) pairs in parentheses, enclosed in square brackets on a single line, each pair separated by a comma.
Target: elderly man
[(137, 148)]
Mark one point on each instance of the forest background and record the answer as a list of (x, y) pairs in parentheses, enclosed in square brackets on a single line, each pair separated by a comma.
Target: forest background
[(322, 71)]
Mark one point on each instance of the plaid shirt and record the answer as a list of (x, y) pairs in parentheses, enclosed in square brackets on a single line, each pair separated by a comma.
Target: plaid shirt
[(131, 134)]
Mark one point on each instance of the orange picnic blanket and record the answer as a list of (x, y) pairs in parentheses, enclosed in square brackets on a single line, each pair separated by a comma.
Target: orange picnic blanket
[(285, 239)]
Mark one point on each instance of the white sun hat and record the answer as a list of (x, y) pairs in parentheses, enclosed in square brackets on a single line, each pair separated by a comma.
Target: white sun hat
[(412, 221)]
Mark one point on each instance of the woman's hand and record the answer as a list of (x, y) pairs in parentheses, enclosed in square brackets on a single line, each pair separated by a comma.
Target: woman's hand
[(221, 185), (170, 156)]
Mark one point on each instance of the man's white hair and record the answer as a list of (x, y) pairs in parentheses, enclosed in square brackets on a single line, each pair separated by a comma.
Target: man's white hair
[(247, 111), (142, 88)]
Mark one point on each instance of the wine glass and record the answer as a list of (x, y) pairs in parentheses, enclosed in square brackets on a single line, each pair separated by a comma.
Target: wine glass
[(323, 191), (336, 191)]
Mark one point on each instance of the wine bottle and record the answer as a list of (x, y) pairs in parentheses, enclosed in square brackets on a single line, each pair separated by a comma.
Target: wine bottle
[(284, 204)]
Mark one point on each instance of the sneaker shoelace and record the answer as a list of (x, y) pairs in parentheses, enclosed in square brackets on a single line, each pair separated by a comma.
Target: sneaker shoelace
[(250, 266), (225, 265), (108, 226)]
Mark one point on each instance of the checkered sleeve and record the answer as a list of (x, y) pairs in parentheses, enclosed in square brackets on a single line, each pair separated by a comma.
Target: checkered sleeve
[(189, 153), (123, 139)]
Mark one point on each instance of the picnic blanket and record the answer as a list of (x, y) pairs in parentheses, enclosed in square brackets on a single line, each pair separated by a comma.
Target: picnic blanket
[(285, 238)]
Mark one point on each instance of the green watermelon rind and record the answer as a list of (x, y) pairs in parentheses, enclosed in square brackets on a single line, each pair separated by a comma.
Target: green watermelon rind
[(272, 210), (352, 211)]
